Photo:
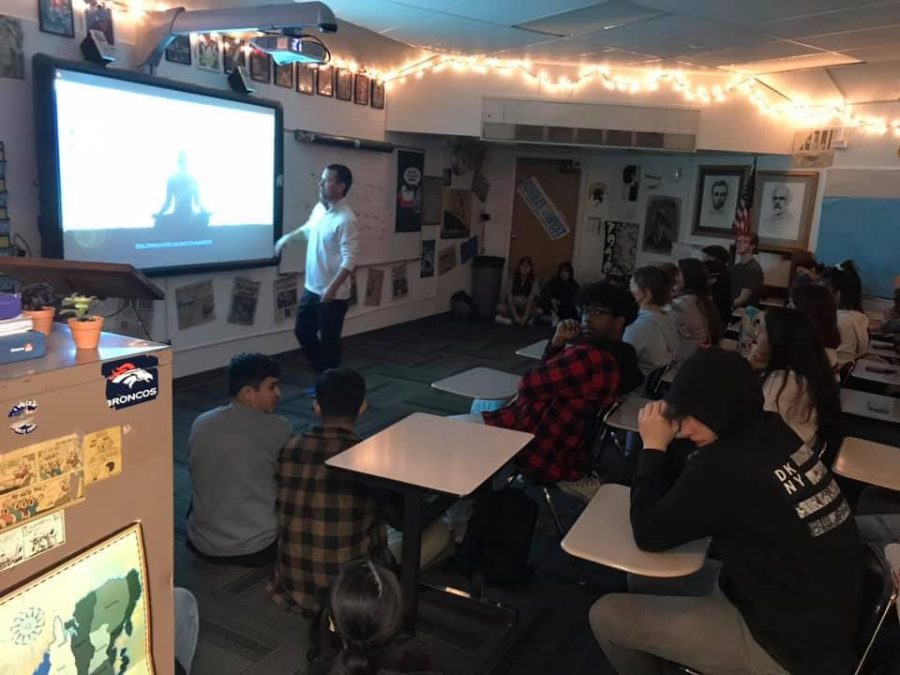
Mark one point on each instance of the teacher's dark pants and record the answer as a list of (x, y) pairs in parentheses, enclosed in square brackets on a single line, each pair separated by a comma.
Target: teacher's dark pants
[(318, 330)]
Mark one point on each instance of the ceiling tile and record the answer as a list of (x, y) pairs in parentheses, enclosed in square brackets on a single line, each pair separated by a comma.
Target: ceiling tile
[(517, 12), (777, 49), (850, 18), (376, 15), (812, 85), (806, 62), (877, 54), (370, 49), (430, 5), (608, 15), (856, 39), (443, 32), (868, 81), (677, 35), (746, 11)]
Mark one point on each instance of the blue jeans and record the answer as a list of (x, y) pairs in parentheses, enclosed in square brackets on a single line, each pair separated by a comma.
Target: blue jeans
[(318, 330)]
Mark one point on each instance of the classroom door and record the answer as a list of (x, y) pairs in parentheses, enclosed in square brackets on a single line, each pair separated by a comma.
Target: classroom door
[(562, 185)]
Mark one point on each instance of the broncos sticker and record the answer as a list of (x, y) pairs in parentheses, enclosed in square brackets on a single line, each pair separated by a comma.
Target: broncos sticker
[(131, 381)]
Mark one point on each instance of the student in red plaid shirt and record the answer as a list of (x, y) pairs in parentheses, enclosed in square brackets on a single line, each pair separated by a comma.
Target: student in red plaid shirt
[(585, 368), (325, 518)]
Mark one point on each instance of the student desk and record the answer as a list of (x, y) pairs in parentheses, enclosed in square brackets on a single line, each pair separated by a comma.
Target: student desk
[(481, 383), (873, 406), (869, 462), (876, 371), (884, 351), (424, 454), (625, 415), (603, 535), (533, 351)]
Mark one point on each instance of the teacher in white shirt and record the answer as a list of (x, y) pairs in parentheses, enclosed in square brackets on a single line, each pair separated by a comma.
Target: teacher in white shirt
[(332, 249)]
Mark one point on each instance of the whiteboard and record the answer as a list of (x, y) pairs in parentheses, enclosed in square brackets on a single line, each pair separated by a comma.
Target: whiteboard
[(372, 198)]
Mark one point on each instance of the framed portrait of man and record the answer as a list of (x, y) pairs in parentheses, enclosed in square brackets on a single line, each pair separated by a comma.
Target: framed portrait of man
[(719, 189), (782, 209)]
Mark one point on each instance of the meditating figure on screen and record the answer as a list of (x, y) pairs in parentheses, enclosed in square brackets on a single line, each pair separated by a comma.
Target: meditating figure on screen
[(183, 191)]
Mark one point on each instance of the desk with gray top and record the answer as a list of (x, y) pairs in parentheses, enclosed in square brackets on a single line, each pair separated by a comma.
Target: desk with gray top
[(533, 351), (480, 383), (869, 462), (873, 406), (603, 535), (625, 415), (876, 371), (423, 454)]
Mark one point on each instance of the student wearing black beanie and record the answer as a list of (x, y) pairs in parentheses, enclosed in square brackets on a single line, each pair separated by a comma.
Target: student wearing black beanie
[(788, 597)]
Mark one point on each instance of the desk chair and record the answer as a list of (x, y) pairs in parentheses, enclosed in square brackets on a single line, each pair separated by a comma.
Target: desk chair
[(879, 594)]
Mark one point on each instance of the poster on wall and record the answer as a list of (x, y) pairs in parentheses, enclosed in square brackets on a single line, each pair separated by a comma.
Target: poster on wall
[(447, 259), (719, 189), (284, 290), (410, 169), (89, 614), (596, 195), (244, 297), (468, 250), (399, 282), (98, 16), (457, 207), (179, 50), (374, 286), (354, 291), (12, 53), (631, 183), (195, 304), (619, 247), (427, 269), (662, 224), (37, 536), (209, 52), (783, 207), (543, 208)]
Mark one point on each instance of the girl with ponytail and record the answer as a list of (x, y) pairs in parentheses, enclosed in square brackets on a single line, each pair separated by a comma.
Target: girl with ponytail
[(367, 611)]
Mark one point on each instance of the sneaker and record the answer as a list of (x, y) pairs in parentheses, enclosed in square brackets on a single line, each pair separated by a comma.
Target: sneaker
[(583, 488)]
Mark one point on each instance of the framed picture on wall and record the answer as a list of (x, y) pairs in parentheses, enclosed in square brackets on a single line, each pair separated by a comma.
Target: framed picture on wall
[(306, 79), (209, 52), (98, 16), (344, 87), (260, 67), (361, 89), (377, 99), (233, 53), (325, 81), (284, 75), (782, 209), (179, 50), (56, 17), (718, 190)]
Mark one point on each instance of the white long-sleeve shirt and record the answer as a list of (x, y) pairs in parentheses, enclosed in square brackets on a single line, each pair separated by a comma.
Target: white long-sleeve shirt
[(332, 244)]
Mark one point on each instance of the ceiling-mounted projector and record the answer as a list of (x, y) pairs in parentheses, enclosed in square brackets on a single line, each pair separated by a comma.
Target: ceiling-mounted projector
[(160, 28), (286, 49)]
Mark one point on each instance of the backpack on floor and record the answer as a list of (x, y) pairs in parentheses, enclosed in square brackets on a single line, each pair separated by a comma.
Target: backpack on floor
[(462, 306), (498, 539)]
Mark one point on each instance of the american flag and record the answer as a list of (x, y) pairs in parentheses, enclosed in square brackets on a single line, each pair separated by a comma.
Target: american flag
[(741, 223)]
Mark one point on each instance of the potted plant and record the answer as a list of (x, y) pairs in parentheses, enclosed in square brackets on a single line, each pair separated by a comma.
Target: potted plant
[(39, 303), (85, 326)]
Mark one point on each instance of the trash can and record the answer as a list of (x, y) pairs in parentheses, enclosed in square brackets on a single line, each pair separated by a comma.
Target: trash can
[(487, 282)]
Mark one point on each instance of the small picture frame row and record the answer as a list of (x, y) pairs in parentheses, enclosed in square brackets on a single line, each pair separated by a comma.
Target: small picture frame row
[(323, 80)]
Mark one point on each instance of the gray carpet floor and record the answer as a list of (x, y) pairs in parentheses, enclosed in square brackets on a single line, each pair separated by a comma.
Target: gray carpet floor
[(242, 631)]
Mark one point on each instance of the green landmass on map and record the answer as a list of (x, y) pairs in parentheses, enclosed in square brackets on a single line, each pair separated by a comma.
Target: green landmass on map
[(111, 605)]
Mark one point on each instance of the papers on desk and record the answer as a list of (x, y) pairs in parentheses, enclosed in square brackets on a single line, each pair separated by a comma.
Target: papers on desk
[(16, 325)]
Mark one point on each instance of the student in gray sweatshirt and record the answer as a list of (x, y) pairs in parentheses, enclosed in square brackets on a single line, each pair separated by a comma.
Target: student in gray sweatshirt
[(653, 334)]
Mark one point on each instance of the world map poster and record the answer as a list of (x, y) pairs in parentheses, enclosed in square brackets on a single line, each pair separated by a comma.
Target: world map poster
[(88, 616)]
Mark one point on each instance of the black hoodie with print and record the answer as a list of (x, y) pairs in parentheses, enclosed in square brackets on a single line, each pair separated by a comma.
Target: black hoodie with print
[(792, 562)]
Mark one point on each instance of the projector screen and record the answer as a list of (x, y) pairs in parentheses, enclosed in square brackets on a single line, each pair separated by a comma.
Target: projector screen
[(166, 177)]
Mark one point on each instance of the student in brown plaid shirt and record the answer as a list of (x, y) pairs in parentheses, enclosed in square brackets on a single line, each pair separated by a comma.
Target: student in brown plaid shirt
[(325, 518)]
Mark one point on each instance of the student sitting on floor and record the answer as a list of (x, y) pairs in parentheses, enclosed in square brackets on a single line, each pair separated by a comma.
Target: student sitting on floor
[(653, 334), (521, 306), (798, 383), (584, 369), (233, 453), (325, 518), (853, 324), (788, 598), (693, 311), (366, 611), (558, 296), (817, 302)]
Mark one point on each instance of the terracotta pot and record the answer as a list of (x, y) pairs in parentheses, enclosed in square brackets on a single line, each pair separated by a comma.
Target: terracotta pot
[(86, 334), (42, 319)]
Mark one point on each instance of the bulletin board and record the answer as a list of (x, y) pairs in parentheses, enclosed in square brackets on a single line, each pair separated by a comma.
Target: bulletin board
[(860, 221)]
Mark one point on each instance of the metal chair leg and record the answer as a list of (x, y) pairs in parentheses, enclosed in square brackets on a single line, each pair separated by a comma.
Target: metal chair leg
[(562, 533)]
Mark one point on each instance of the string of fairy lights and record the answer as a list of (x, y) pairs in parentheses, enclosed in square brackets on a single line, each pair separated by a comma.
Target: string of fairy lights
[(633, 82)]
